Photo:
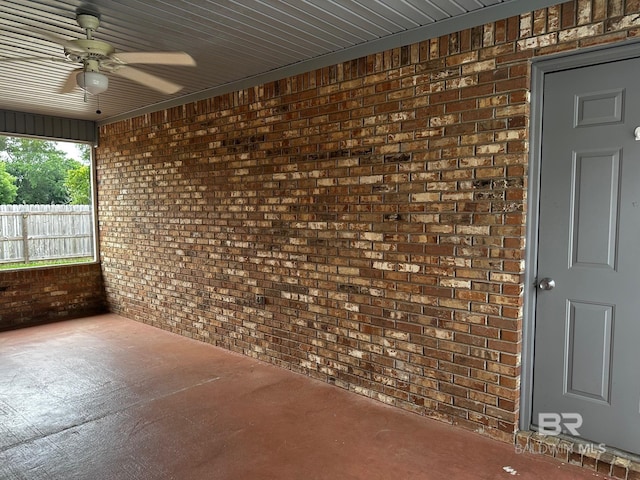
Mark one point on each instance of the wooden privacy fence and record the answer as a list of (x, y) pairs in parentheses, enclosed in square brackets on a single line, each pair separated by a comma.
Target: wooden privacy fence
[(45, 232)]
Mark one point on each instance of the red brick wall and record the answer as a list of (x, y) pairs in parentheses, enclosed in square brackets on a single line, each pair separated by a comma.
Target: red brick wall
[(33, 296), (378, 206)]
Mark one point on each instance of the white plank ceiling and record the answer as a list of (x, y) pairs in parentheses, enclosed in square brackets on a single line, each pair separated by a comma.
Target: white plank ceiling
[(235, 43)]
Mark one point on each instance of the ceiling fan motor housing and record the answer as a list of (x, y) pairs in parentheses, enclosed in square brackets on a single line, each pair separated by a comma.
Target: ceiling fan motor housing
[(83, 48)]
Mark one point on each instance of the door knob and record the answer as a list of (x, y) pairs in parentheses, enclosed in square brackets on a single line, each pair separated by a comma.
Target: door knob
[(547, 284)]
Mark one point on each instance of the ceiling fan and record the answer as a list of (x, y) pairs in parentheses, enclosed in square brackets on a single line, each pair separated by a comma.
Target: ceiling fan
[(96, 57)]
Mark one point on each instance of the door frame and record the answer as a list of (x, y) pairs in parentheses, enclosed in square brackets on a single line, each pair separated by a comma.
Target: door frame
[(540, 68)]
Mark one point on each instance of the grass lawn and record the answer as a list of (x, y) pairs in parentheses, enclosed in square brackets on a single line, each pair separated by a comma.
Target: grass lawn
[(45, 263)]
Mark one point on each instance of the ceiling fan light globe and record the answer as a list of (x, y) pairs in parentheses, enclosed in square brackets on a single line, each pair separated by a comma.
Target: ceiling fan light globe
[(93, 82)]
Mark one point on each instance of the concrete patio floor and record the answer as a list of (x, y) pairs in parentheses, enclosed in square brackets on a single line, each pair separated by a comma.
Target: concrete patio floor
[(106, 398)]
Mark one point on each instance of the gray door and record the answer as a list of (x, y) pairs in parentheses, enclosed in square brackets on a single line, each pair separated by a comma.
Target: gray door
[(587, 338)]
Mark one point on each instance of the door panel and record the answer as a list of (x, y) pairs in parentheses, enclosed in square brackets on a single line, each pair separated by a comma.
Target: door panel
[(588, 355), (587, 338), (599, 108), (594, 209)]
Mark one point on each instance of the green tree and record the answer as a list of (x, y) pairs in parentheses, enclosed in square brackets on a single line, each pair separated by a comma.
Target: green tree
[(8, 188), (40, 169), (78, 183), (85, 153)]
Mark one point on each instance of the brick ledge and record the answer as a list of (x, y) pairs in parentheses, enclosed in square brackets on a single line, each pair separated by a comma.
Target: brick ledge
[(599, 458)]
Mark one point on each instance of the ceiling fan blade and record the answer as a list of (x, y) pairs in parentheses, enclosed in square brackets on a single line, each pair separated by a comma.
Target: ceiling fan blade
[(159, 58), (148, 80), (32, 59), (52, 37), (70, 83)]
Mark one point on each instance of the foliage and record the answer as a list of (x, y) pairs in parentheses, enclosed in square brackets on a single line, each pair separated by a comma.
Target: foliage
[(85, 153), (78, 183), (8, 188), (41, 170)]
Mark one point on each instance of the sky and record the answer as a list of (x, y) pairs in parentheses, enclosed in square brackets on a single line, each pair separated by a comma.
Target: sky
[(71, 149)]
